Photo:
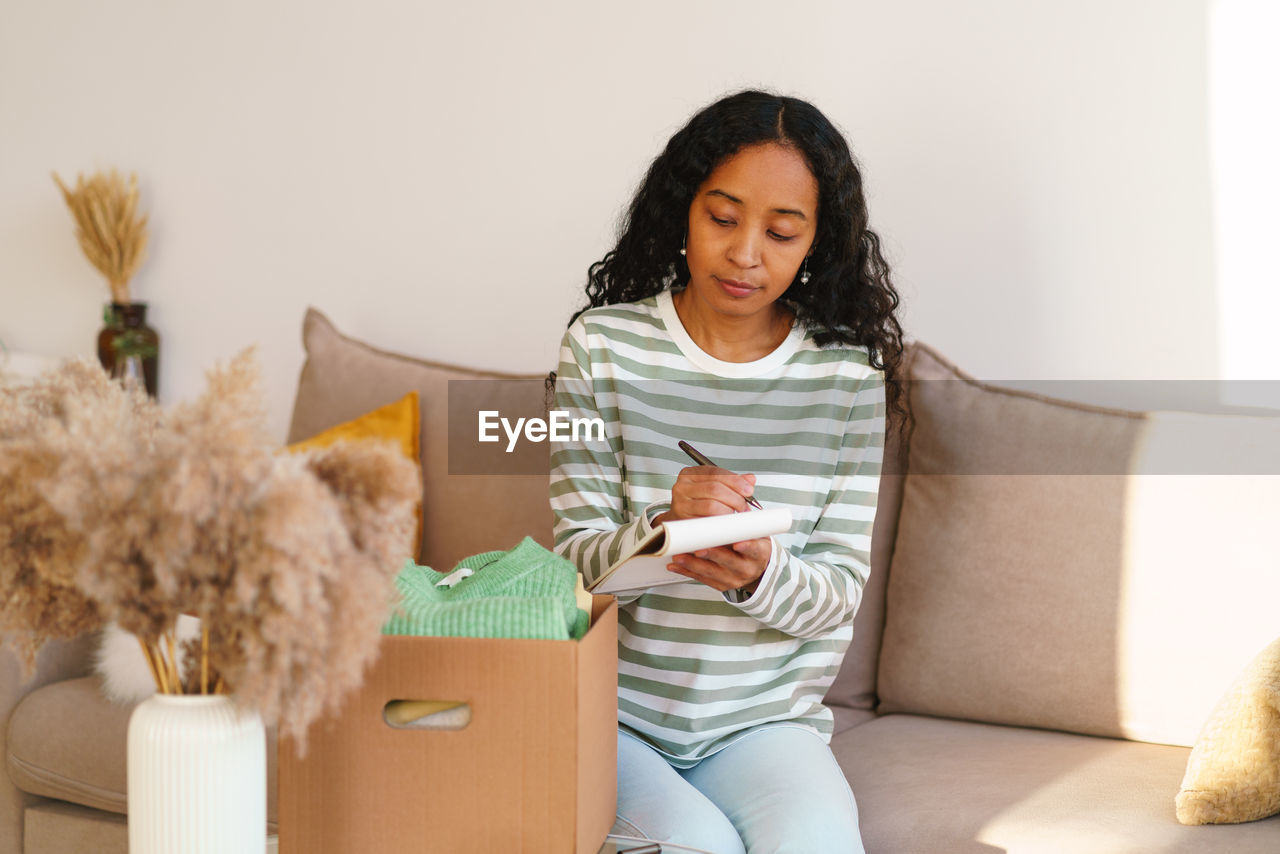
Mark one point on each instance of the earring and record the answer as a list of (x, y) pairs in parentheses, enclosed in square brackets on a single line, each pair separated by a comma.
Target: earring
[(684, 243), (804, 272)]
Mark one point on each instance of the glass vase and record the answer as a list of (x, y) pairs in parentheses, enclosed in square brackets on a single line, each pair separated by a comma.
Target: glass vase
[(127, 346)]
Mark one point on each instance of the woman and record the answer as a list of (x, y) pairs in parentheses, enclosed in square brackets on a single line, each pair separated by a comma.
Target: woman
[(746, 309)]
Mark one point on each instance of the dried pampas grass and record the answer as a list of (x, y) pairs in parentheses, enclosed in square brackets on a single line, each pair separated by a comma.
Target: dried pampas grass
[(44, 429), (111, 234), (114, 510)]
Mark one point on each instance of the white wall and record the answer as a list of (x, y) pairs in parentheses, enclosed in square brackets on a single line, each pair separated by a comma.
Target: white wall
[(1244, 82), (437, 177)]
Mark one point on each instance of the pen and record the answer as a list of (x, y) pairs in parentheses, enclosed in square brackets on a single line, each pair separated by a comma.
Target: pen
[(702, 460)]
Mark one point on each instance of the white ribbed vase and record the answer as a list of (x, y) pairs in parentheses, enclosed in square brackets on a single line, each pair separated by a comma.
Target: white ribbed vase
[(197, 777)]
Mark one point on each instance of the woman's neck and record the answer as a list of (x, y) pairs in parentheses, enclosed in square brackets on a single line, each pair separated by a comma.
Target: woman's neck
[(732, 338)]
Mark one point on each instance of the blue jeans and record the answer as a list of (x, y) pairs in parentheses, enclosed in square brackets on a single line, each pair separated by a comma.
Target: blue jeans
[(776, 790)]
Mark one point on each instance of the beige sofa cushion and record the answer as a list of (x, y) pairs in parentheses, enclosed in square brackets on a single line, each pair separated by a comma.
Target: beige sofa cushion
[(67, 741), (462, 514), (927, 784), (1002, 591), (57, 660), (1035, 583), (854, 689), (57, 827)]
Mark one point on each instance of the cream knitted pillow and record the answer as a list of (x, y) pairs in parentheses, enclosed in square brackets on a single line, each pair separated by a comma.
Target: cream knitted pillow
[(1233, 773)]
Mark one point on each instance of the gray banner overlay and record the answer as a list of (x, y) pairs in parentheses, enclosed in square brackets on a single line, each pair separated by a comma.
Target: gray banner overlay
[(1046, 427), (517, 401)]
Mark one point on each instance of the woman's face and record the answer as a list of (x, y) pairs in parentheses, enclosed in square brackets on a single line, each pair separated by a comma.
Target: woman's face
[(751, 225)]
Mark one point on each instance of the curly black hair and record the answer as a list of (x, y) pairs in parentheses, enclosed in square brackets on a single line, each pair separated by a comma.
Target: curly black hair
[(849, 298)]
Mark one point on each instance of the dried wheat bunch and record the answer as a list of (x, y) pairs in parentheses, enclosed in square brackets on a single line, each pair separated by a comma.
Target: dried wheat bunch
[(111, 234)]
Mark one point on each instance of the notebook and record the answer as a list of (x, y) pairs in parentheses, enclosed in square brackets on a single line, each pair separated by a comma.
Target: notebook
[(645, 566)]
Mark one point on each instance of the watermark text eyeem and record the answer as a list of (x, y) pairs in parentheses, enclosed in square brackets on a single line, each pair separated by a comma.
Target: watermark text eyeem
[(557, 427)]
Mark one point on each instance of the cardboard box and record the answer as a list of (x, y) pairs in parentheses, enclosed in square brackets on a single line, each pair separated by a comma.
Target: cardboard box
[(534, 770)]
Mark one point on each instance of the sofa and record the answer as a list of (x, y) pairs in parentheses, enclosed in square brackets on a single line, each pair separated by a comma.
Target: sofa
[(1060, 594)]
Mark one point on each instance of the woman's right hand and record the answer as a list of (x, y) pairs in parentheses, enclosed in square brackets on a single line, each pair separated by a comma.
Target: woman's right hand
[(707, 491)]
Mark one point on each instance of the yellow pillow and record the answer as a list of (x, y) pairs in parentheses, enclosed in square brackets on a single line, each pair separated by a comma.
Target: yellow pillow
[(1233, 773), (398, 421)]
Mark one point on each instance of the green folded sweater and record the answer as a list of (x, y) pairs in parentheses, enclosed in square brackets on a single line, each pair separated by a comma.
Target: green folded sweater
[(527, 592)]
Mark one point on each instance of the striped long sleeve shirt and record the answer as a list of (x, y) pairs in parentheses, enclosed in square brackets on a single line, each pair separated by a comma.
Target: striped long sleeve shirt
[(696, 669)]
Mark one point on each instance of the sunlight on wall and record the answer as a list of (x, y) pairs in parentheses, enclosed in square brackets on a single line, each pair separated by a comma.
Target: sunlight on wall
[(1201, 575), (1244, 131)]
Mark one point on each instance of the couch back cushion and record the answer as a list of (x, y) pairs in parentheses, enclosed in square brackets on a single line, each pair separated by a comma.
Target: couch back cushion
[(855, 685), (462, 514), (1062, 566)]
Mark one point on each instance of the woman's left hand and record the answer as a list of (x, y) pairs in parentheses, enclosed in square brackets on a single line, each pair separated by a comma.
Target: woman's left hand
[(738, 565)]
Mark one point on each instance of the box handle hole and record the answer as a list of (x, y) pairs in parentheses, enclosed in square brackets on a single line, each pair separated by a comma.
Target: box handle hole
[(427, 714)]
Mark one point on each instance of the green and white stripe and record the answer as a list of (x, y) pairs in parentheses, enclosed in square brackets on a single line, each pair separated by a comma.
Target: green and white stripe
[(695, 668)]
